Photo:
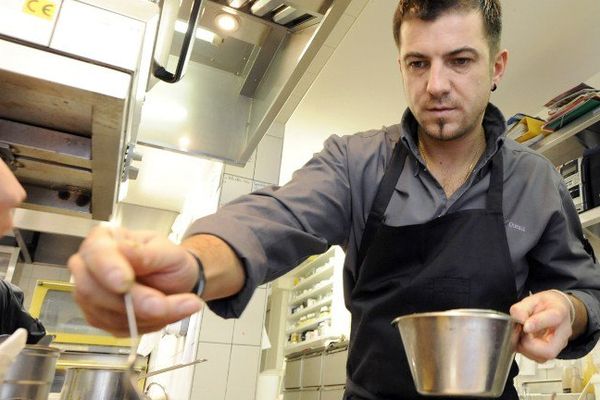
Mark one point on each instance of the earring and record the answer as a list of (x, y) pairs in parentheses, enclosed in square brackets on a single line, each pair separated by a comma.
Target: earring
[(494, 87)]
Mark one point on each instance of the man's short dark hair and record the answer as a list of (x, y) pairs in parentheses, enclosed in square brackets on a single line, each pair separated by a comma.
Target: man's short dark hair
[(430, 10)]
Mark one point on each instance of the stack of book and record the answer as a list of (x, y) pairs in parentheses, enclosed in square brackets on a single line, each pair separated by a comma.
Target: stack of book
[(570, 105), (525, 129)]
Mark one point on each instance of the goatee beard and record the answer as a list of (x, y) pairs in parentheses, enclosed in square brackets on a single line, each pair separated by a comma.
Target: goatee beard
[(441, 124)]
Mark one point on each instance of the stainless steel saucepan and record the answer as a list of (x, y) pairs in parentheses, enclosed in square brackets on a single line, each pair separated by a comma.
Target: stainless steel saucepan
[(463, 352)]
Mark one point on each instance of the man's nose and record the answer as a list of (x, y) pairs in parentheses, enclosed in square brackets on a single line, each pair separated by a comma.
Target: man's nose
[(438, 84)]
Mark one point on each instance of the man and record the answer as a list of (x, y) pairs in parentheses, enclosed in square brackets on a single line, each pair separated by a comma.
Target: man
[(12, 314), (435, 213)]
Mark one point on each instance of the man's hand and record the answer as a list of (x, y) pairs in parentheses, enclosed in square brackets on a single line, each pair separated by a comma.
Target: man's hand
[(158, 273), (546, 319)]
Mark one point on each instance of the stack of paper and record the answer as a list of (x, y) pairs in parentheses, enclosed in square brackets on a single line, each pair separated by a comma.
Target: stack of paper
[(571, 105), (525, 129)]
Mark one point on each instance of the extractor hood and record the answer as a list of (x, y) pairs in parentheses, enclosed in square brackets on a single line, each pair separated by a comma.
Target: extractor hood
[(239, 82)]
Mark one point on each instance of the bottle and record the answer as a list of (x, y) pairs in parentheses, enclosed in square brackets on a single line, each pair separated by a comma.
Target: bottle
[(589, 369), (567, 379)]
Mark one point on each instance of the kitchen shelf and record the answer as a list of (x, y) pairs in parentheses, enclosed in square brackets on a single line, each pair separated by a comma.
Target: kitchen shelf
[(297, 300), (571, 129), (308, 310), (310, 344), (311, 262), (590, 217), (310, 325), (326, 273)]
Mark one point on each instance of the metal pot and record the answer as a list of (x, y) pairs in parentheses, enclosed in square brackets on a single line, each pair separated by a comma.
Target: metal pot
[(31, 374), (464, 352), (98, 384), (104, 382)]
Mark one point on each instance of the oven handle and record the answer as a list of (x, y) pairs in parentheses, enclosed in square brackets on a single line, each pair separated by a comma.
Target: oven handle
[(186, 48)]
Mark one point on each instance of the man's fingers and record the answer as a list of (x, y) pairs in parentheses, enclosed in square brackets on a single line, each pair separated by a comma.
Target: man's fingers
[(105, 262), (87, 291), (522, 310), (544, 345), (153, 310), (542, 320)]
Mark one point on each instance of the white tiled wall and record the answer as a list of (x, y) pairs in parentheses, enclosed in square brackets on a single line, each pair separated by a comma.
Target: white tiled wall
[(233, 347), (246, 330), (241, 385), (215, 329), (210, 378)]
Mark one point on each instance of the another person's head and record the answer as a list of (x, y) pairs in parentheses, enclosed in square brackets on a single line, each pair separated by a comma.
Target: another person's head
[(11, 195), (450, 59)]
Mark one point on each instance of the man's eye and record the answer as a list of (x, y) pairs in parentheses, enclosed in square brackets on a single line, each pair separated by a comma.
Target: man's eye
[(461, 62), (417, 64)]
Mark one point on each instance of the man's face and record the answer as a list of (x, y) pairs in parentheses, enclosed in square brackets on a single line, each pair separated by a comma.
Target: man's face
[(447, 72), (11, 195)]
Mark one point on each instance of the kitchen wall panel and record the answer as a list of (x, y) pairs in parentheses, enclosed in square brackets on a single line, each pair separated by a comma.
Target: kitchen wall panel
[(246, 329), (241, 382), (210, 378), (215, 329)]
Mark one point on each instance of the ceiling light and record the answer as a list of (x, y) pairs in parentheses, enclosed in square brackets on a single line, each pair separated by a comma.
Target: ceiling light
[(262, 7), (287, 15), (227, 22), (201, 33), (184, 143), (237, 3)]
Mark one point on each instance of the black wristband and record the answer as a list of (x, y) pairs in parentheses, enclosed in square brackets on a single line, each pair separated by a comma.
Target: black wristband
[(201, 282)]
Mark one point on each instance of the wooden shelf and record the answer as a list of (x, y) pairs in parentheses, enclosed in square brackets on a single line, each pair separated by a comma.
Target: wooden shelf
[(326, 273), (309, 325), (297, 300), (573, 128), (308, 310), (310, 344)]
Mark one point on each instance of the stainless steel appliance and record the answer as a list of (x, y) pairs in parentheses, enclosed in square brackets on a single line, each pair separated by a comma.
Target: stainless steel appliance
[(74, 75), (572, 175)]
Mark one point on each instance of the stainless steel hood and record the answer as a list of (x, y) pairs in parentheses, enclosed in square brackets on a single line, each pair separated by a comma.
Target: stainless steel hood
[(237, 85)]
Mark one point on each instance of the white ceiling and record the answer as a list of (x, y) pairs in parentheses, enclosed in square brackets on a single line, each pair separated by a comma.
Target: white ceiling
[(553, 45)]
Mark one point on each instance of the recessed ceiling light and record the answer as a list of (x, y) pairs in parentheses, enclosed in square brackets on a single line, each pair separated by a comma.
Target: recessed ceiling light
[(237, 3), (201, 33), (184, 142), (227, 22)]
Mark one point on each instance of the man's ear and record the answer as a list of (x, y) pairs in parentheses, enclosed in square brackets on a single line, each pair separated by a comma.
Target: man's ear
[(498, 67)]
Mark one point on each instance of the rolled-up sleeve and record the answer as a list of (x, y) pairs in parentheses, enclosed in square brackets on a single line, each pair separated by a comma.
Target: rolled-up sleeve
[(560, 261), (276, 228)]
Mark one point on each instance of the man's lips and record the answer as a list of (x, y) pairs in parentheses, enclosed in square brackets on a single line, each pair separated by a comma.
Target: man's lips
[(440, 110)]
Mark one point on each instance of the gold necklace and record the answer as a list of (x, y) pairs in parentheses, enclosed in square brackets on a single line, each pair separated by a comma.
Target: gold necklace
[(468, 171)]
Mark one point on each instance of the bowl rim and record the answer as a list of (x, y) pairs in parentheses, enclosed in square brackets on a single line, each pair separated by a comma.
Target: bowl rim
[(457, 312)]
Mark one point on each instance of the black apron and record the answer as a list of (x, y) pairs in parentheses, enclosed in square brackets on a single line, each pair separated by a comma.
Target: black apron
[(459, 260)]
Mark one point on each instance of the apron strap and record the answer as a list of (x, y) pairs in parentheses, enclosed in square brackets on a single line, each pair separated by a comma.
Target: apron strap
[(382, 198), (494, 195)]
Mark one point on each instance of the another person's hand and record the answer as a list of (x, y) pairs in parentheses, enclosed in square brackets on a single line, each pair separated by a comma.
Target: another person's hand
[(159, 274), (11, 194), (546, 319)]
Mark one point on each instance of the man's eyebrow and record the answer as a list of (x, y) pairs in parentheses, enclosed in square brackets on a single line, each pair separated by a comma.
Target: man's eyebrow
[(414, 54), (465, 49)]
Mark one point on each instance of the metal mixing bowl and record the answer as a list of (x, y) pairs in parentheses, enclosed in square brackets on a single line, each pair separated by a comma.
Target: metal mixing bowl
[(463, 352)]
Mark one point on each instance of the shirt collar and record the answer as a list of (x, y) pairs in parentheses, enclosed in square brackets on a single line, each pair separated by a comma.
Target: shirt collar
[(494, 127)]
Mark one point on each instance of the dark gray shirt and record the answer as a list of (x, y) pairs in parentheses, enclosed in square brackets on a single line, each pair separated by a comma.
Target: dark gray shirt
[(327, 202)]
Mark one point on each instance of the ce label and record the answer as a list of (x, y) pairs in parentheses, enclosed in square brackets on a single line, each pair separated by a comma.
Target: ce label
[(40, 8)]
